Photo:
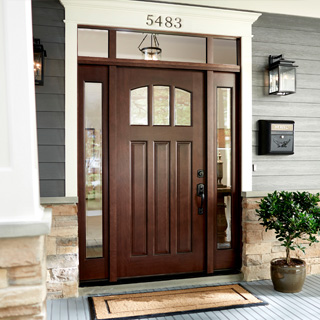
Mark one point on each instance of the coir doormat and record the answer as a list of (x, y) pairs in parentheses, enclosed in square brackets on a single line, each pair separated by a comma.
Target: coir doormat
[(140, 305)]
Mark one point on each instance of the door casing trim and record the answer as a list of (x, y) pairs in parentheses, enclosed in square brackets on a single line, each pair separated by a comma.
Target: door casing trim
[(132, 14)]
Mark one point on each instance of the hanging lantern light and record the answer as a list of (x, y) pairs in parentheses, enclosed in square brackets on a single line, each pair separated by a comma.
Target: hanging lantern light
[(38, 58), (282, 76), (152, 52)]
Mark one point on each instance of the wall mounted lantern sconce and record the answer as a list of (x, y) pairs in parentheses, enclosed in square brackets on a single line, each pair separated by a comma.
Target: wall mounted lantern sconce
[(152, 52), (282, 76), (38, 62)]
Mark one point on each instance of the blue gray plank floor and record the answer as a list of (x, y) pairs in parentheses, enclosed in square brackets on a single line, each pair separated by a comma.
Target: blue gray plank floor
[(287, 306)]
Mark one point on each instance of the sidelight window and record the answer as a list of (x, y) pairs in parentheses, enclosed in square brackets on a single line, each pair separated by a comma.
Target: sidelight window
[(224, 172), (93, 168)]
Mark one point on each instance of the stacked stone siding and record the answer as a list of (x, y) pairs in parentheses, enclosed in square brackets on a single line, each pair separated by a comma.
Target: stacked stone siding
[(22, 278), (260, 247), (62, 253)]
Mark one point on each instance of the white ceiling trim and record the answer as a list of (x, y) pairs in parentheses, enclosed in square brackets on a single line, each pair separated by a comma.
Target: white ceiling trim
[(304, 8)]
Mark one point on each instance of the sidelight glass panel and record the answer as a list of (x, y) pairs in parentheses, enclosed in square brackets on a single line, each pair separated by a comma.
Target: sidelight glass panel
[(161, 106), (93, 43), (139, 106), (93, 168), (182, 107), (224, 161)]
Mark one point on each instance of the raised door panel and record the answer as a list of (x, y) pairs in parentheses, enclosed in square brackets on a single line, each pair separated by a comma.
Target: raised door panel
[(184, 196), (139, 203), (162, 197)]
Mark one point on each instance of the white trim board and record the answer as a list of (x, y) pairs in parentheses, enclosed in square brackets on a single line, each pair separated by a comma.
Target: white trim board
[(132, 15), (305, 8)]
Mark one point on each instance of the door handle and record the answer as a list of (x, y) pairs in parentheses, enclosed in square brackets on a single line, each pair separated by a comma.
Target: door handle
[(200, 193)]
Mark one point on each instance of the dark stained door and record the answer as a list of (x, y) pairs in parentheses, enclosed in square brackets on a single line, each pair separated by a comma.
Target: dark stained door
[(160, 136)]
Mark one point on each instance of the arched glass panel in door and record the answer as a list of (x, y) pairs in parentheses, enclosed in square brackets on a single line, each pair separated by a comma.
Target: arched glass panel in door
[(139, 106)]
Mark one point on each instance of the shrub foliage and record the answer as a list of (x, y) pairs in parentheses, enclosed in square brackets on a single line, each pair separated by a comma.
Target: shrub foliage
[(292, 215)]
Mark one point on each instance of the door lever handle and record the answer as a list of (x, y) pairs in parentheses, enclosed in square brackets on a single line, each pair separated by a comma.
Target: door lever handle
[(200, 193), (202, 201)]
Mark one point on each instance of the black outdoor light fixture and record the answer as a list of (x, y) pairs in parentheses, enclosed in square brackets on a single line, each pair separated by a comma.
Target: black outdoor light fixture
[(38, 58), (282, 76), (152, 52)]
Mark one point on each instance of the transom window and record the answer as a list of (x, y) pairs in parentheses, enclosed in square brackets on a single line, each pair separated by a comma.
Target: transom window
[(94, 42)]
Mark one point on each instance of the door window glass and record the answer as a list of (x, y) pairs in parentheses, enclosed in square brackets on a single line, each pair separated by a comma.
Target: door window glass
[(182, 107), (224, 162), (139, 106), (93, 168), (161, 105)]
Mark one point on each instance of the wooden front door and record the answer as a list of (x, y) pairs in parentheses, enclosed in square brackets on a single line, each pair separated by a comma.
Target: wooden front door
[(148, 139), (160, 146)]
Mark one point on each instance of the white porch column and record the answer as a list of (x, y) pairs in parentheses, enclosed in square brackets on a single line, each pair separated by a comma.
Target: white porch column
[(20, 211), (23, 223)]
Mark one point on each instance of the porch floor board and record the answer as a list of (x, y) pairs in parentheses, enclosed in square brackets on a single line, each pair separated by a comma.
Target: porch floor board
[(304, 305)]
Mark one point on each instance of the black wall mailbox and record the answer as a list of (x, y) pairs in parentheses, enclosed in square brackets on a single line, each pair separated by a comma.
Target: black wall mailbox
[(276, 137)]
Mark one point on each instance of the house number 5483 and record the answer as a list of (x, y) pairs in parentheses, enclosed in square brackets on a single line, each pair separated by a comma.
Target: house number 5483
[(168, 22)]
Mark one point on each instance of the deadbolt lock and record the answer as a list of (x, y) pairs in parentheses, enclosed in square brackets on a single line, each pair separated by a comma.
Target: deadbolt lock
[(200, 173)]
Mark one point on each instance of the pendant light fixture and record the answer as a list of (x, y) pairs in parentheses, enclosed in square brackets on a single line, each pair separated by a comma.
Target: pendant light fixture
[(152, 52)]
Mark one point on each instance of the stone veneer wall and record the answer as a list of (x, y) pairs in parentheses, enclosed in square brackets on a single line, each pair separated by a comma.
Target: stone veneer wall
[(22, 278), (62, 252), (260, 247)]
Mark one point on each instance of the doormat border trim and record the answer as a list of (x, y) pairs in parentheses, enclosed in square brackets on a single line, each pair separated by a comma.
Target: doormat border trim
[(164, 314)]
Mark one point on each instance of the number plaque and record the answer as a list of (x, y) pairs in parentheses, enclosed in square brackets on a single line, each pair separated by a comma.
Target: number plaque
[(164, 21)]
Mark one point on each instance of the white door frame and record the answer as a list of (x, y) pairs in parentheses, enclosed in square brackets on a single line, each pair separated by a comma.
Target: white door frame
[(133, 15)]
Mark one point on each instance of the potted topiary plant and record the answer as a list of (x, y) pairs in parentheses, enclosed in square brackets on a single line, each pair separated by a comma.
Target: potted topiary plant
[(293, 216)]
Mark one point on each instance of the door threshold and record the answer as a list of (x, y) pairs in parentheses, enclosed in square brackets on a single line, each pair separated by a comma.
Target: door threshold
[(112, 288)]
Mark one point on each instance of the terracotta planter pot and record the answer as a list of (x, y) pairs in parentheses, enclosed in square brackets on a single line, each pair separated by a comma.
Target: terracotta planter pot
[(288, 278)]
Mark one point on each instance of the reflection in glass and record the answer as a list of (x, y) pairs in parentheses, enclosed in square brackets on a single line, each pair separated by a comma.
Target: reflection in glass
[(161, 106), (182, 108), (92, 43), (287, 80), (93, 168), (274, 80), (224, 161), (139, 106)]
